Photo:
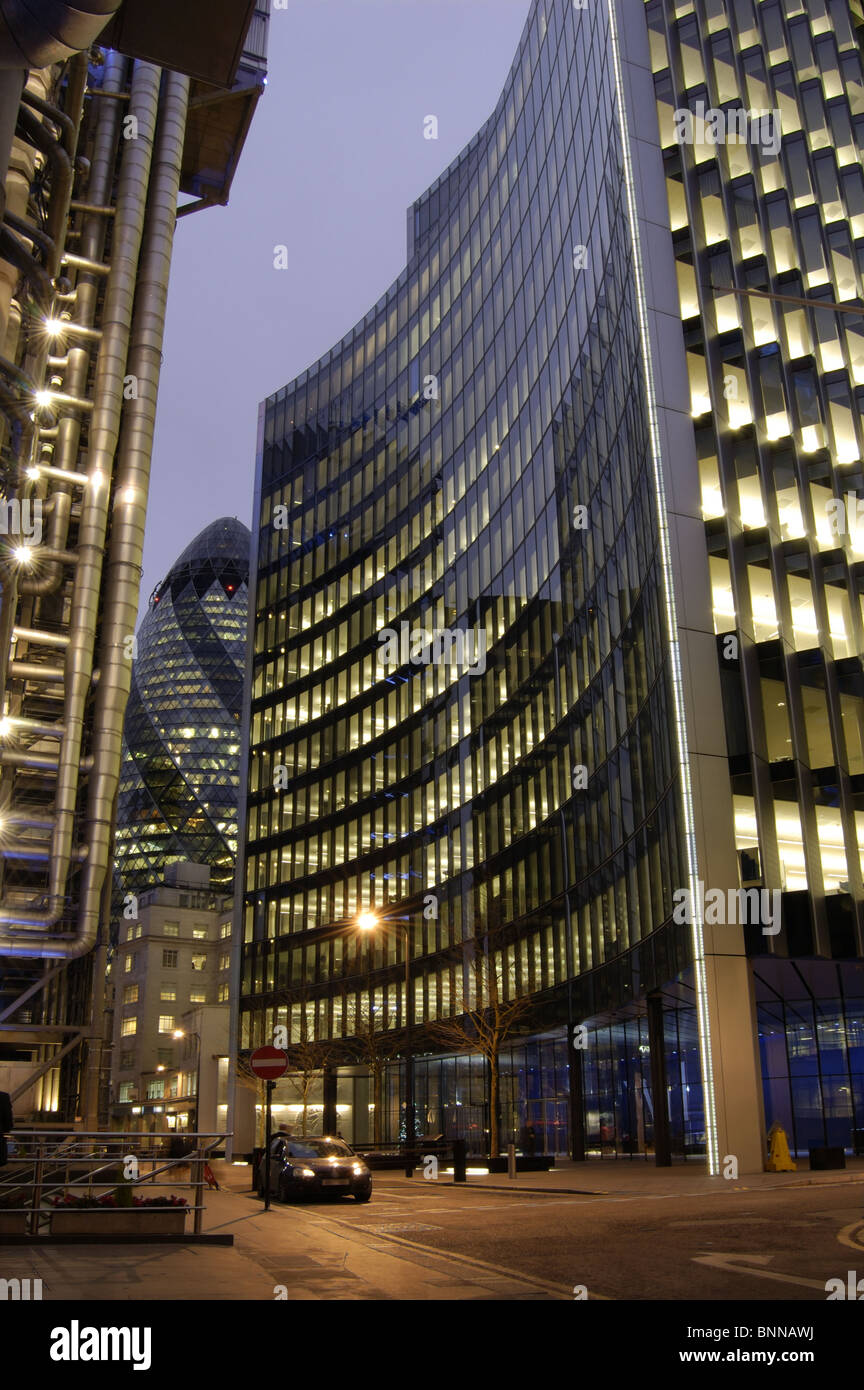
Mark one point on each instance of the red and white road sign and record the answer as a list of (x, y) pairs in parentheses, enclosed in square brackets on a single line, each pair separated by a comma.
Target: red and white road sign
[(269, 1063)]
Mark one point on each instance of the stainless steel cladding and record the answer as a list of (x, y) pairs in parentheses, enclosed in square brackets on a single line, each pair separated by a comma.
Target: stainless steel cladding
[(87, 373)]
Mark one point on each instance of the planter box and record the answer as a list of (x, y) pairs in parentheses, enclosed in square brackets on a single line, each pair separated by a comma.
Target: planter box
[(165, 1222), (383, 1161), (12, 1223), (826, 1157), (536, 1163)]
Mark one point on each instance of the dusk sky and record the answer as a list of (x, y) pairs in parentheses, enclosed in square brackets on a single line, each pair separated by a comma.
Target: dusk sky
[(335, 156)]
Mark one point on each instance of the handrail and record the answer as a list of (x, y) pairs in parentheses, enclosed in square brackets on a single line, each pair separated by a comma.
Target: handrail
[(119, 1135), (35, 1171)]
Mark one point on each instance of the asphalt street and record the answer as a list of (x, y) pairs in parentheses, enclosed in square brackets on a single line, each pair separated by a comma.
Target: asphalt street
[(768, 1245)]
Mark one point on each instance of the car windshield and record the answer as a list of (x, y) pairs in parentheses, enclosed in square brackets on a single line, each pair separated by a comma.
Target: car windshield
[(317, 1148)]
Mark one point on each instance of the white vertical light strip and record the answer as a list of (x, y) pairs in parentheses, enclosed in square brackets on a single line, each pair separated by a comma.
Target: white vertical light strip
[(696, 935)]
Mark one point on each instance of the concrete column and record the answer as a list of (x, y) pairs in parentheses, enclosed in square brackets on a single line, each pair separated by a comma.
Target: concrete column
[(657, 1043), (728, 1040), (577, 1103), (330, 1121)]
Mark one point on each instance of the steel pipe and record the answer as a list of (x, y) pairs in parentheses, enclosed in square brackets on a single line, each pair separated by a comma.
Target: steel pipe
[(33, 726), (23, 849), (45, 762), (53, 113), (32, 671), (40, 639), (85, 263), (28, 822), (61, 179), (36, 36), (87, 593), (49, 581), (68, 430), (132, 471)]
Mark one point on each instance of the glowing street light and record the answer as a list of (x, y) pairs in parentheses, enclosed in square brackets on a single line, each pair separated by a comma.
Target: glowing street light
[(368, 921)]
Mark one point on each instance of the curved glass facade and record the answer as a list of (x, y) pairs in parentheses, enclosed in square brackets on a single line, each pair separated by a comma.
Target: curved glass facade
[(181, 747), (767, 220), (483, 688), (461, 669)]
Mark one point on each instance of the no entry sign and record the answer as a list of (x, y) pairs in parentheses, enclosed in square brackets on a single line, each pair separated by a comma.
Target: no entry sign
[(269, 1063)]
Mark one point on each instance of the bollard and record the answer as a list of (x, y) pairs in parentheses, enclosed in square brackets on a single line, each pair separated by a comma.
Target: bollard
[(38, 1173), (511, 1161), (459, 1160), (198, 1189)]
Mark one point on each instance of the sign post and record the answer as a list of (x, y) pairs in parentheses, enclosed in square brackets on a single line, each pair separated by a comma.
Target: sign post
[(269, 1063), (267, 1141)]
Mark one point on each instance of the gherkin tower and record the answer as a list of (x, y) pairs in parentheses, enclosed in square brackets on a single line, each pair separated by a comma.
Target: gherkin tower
[(181, 746)]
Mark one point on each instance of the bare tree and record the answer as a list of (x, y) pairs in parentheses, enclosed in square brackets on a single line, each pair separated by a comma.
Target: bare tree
[(309, 1055), (307, 1059), (486, 1014), (374, 1044)]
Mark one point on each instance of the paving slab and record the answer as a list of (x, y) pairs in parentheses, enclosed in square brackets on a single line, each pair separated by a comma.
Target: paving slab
[(287, 1254)]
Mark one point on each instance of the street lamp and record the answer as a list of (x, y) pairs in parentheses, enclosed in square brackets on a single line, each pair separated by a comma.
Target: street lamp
[(369, 921)]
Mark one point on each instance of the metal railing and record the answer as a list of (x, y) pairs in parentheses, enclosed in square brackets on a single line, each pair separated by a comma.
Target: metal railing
[(43, 1165)]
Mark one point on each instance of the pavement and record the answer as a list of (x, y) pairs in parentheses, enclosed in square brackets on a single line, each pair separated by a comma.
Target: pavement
[(289, 1253), (386, 1251), (632, 1177)]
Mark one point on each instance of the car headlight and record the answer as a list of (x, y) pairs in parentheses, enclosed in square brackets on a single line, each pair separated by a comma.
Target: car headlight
[(358, 1171), (305, 1172)]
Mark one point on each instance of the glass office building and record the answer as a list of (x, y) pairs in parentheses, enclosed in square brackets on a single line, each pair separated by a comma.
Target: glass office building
[(179, 778), (488, 696), (767, 221)]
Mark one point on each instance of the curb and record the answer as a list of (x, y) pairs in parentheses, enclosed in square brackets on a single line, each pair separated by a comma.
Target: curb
[(516, 1191)]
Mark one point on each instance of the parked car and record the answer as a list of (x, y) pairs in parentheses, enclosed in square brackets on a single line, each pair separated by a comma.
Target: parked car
[(302, 1168)]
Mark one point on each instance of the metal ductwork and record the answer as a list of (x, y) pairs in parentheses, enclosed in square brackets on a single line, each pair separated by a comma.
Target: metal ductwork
[(87, 217), (37, 33)]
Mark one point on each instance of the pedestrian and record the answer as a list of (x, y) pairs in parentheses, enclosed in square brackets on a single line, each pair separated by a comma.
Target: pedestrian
[(279, 1142)]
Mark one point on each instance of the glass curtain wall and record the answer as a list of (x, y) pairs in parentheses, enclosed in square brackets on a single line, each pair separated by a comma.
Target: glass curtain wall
[(461, 708)]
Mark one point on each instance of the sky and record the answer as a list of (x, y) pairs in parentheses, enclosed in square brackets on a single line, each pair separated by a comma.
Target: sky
[(335, 156)]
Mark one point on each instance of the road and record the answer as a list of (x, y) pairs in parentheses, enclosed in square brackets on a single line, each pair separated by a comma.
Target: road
[(767, 1245)]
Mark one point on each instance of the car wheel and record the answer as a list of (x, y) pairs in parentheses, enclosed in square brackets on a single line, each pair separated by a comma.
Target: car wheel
[(284, 1195), (362, 1196)]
